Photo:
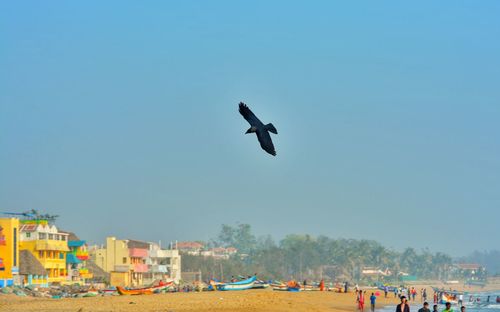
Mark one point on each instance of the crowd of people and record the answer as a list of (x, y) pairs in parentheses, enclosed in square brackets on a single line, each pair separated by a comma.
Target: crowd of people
[(404, 306)]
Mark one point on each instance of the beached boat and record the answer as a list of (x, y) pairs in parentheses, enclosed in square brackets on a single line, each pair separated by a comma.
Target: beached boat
[(290, 286), (278, 285), (140, 291), (90, 293), (144, 291), (240, 285), (260, 285), (109, 291)]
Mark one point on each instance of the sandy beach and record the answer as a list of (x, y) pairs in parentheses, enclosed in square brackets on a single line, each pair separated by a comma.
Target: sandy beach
[(252, 300)]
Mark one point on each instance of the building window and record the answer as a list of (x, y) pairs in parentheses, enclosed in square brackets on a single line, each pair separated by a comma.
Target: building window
[(40, 254), (28, 235), (51, 236), (61, 255), (124, 260), (63, 238), (42, 235), (15, 247)]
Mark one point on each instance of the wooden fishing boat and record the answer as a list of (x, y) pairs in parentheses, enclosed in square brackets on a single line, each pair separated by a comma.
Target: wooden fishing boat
[(109, 291), (144, 291), (290, 286), (279, 286), (141, 291), (260, 285), (240, 285)]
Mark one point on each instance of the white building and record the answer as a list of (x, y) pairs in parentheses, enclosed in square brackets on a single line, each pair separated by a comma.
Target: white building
[(163, 264)]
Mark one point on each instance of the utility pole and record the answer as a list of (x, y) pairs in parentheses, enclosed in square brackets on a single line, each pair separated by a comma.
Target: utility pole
[(221, 272)]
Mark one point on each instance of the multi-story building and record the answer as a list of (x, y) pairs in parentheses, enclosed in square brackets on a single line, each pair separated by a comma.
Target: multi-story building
[(190, 248), (76, 260), (9, 251), (48, 245), (134, 263), (124, 262), (163, 264)]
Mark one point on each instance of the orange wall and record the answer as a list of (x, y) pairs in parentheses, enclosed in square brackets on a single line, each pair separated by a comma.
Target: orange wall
[(9, 246)]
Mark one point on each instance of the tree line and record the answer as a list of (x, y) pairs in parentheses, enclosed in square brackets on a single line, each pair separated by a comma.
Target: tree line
[(308, 257)]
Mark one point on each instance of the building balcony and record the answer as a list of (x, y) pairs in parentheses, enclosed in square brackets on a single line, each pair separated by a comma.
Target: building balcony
[(58, 279), (54, 245), (78, 243), (72, 259), (163, 253), (158, 268), (122, 268), (53, 263), (82, 255), (138, 253), (140, 268)]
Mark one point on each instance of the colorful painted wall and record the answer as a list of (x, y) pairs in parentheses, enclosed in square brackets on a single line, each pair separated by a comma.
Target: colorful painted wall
[(9, 250)]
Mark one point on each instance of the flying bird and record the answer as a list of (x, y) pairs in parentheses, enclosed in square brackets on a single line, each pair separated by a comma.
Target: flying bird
[(257, 127)]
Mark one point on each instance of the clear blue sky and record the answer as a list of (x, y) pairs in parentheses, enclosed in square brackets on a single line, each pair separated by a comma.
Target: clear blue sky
[(121, 116)]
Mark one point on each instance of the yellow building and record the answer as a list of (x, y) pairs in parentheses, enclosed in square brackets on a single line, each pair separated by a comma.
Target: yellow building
[(9, 250), (123, 259), (49, 247)]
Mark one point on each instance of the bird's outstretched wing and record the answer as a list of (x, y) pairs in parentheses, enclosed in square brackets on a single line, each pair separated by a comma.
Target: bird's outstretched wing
[(265, 141), (249, 116)]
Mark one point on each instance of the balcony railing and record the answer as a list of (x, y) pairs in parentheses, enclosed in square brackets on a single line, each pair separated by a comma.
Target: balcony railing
[(138, 252), (140, 268), (163, 253), (158, 268), (122, 268), (51, 245)]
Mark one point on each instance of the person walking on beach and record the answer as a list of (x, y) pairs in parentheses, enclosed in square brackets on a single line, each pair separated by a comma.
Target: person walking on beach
[(425, 308), (460, 299), (395, 292), (361, 301), (403, 306), (448, 308), (373, 298), (424, 294), (386, 290)]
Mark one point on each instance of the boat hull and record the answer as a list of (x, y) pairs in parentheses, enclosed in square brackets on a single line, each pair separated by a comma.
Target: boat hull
[(241, 285), (143, 291)]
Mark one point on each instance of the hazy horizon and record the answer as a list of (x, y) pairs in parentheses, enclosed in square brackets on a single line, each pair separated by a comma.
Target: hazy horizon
[(122, 118)]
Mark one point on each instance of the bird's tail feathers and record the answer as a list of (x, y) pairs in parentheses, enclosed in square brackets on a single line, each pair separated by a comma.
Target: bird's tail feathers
[(269, 127)]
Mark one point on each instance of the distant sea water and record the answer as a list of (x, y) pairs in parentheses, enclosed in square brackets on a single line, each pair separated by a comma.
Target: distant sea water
[(481, 306)]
